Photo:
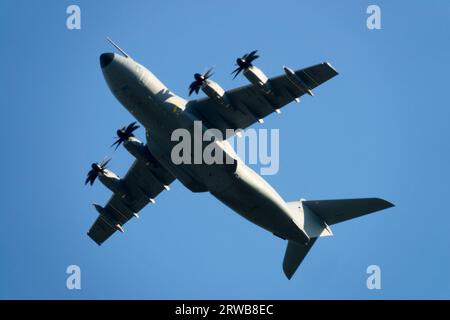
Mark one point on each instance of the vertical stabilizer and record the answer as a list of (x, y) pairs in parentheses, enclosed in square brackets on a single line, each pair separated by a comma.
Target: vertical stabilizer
[(295, 253), (314, 218)]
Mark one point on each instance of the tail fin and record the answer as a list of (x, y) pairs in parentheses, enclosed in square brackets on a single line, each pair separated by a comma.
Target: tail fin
[(313, 217), (295, 253)]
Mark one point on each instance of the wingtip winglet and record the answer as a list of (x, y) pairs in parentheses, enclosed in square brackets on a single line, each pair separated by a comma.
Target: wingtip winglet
[(387, 204), (331, 67), (96, 241)]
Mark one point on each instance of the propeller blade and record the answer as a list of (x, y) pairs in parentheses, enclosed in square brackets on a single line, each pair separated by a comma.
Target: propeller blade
[(245, 62), (116, 143), (124, 134), (87, 180), (252, 58), (237, 71), (96, 169), (131, 127), (208, 73), (91, 176), (193, 87), (199, 81), (104, 163), (251, 54)]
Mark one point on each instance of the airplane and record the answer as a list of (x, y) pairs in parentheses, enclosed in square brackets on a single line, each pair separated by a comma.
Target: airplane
[(160, 112)]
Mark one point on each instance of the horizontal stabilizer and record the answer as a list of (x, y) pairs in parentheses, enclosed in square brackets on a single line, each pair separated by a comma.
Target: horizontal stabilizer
[(314, 218), (335, 211)]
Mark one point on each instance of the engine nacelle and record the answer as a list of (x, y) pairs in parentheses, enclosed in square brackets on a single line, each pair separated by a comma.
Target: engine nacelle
[(140, 151), (136, 148), (112, 182), (215, 92), (258, 78)]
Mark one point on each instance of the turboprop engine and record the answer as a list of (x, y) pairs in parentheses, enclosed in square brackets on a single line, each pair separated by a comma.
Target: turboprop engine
[(251, 72), (209, 87), (107, 177)]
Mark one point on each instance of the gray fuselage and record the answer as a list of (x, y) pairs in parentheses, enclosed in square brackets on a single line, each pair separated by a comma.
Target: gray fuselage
[(161, 112)]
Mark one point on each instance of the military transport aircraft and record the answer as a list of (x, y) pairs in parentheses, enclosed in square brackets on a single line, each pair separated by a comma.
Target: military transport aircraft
[(160, 112)]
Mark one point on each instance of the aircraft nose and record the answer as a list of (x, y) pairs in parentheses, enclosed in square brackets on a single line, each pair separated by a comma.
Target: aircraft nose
[(106, 59)]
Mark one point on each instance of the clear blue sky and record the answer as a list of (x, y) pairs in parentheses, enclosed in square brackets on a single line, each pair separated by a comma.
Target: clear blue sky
[(380, 128)]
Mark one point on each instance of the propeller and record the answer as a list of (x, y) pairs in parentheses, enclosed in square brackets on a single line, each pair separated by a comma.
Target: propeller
[(245, 62), (124, 134), (199, 80), (96, 169)]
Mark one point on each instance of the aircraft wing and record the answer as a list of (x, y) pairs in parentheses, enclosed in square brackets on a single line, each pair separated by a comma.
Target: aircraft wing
[(249, 103), (143, 182)]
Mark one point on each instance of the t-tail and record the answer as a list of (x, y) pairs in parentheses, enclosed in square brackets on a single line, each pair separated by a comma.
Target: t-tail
[(315, 217)]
